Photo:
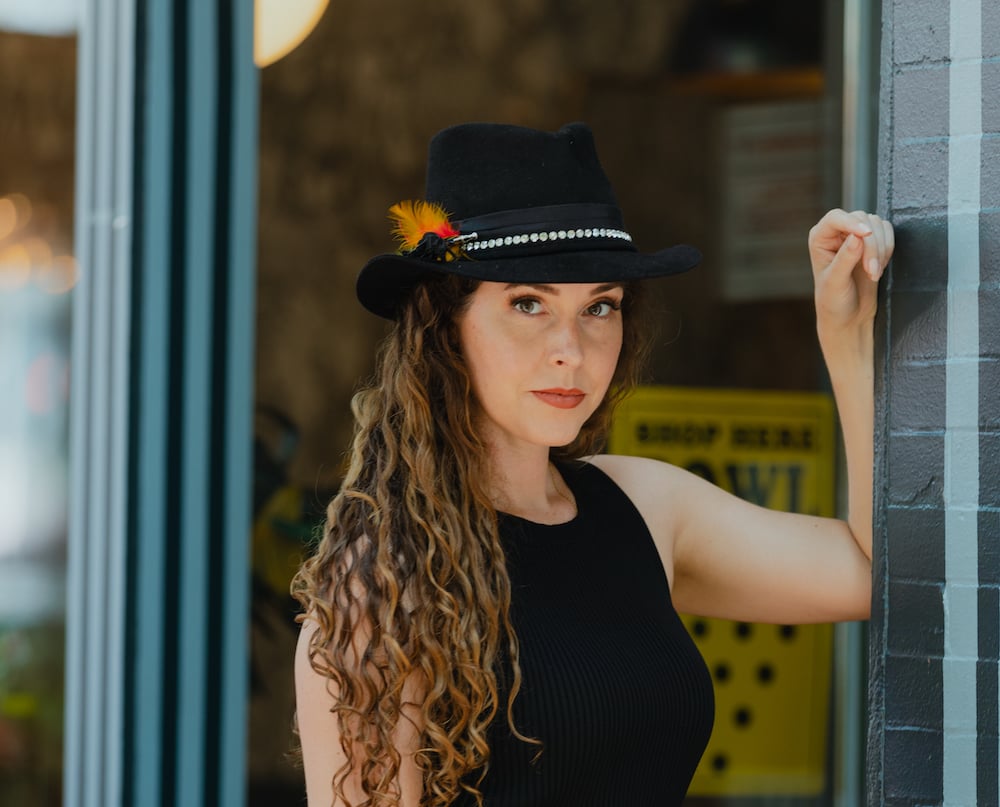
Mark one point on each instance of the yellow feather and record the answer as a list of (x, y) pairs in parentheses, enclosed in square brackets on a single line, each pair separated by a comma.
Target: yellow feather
[(413, 219)]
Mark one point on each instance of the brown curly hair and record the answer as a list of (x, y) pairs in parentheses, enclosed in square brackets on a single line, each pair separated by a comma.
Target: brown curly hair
[(409, 577)]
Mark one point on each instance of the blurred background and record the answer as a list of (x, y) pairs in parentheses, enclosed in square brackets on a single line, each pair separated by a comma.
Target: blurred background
[(718, 122)]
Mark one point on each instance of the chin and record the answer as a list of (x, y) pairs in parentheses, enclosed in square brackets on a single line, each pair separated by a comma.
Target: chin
[(563, 439)]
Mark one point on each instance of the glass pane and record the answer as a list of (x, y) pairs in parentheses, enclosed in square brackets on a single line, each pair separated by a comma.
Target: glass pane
[(37, 273)]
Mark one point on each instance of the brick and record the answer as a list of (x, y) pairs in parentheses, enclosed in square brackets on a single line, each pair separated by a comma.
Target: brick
[(920, 175), (920, 103), (991, 85), (914, 692), (986, 731), (986, 697), (991, 39), (916, 624), (990, 172), (989, 547), (920, 31), (989, 250), (916, 470), (917, 396), (913, 767), (918, 327), (920, 260), (916, 544), (989, 394), (989, 324), (987, 746), (989, 469), (989, 637)]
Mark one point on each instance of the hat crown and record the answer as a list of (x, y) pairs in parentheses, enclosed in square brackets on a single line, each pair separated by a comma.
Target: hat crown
[(528, 206), (475, 169)]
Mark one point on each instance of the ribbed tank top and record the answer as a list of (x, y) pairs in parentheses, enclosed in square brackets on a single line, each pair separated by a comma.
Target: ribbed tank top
[(612, 684)]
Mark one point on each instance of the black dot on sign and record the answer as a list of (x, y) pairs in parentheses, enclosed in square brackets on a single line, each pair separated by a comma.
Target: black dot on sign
[(699, 628), (787, 632), (743, 630), (765, 673), (742, 717), (720, 762), (722, 672)]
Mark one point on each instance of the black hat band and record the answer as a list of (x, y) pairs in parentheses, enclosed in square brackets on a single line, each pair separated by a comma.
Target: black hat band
[(541, 230)]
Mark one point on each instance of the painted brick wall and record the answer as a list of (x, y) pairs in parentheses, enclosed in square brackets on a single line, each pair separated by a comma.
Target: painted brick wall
[(936, 610)]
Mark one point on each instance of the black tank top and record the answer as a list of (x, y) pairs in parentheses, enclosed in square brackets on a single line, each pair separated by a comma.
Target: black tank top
[(612, 684)]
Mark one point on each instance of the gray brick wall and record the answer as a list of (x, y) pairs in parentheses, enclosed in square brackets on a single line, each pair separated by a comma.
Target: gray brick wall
[(935, 627)]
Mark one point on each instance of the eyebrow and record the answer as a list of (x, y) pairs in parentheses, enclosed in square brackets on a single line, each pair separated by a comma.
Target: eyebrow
[(550, 289)]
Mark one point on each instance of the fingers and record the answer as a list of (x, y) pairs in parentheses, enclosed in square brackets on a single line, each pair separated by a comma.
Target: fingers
[(878, 246), (850, 254), (837, 224), (864, 237)]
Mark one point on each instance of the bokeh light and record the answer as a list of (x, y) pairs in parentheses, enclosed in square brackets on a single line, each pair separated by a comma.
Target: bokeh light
[(281, 25), (15, 267), (39, 251), (58, 276), (23, 209), (8, 217)]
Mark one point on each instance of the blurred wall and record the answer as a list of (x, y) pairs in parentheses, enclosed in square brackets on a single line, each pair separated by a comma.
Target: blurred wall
[(37, 130)]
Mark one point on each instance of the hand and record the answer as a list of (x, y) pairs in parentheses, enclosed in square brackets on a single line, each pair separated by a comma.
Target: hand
[(849, 252)]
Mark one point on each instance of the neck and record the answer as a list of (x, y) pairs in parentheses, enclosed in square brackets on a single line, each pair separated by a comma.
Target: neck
[(525, 484)]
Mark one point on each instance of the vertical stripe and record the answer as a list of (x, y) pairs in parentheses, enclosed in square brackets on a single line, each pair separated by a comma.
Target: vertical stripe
[(986, 695), (961, 461), (121, 231), (97, 262), (152, 257), (196, 486), (219, 378), (172, 624), (236, 473), (99, 410), (77, 639)]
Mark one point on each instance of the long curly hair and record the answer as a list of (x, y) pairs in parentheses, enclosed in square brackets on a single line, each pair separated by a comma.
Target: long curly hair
[(409, 580)]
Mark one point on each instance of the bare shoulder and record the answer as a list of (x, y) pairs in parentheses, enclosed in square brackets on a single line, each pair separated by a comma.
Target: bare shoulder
[(652, 485)]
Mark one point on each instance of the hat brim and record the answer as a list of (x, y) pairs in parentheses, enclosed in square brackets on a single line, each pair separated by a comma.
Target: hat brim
[(386, 280)]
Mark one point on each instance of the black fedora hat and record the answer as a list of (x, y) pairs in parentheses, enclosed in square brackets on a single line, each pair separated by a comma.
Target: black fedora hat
[(523, 206)]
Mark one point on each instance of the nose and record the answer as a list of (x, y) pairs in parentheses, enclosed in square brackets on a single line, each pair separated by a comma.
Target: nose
[(566, 348)]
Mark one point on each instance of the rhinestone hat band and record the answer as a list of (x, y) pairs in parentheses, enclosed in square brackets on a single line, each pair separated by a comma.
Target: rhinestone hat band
[(471, 245), (538, 230)]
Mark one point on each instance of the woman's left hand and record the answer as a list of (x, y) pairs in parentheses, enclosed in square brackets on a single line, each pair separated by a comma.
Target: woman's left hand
[(849, 252)]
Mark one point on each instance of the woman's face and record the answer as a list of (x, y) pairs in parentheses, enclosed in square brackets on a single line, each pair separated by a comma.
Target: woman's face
[(541, 357)]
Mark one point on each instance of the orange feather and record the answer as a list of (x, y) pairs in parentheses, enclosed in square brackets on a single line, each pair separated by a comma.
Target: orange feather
[(413, 219)]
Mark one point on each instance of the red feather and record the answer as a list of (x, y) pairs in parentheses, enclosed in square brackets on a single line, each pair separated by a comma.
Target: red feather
[(414, 219)]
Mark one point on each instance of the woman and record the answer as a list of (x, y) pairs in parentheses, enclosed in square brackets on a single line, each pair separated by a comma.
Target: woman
[(490, 616)]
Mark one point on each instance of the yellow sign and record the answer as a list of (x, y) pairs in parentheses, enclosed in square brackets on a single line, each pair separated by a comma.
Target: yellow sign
[(772, 682)]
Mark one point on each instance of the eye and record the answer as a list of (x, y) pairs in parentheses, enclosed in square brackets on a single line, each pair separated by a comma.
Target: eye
[(603, 308), (527, 305)]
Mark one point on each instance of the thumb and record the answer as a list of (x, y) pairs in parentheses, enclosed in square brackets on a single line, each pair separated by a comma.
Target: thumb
[(848, 256)]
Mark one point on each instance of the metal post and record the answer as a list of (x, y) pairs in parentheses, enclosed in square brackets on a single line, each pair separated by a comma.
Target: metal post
[(157, 658), (859, 129)]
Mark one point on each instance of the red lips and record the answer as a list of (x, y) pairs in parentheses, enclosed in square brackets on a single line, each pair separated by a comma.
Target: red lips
[(560, 398)]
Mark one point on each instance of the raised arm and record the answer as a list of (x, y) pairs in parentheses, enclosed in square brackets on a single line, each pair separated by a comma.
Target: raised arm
[(849, 252), (728, 558)]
